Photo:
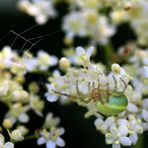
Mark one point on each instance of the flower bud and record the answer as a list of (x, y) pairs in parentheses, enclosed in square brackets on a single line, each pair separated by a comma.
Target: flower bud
[(128, 6), (7, 123), (64, 64), (20, 95), (115, 68), (23, 129), (16, 135)]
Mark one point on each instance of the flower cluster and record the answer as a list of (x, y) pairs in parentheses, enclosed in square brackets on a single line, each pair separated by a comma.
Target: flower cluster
[(27, 63), (19, 101), (42, 10), (50, 135), (88, 22), (115, 93), (78, 84)]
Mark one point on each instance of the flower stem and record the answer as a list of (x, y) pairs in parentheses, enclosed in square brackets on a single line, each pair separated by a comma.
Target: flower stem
[(108, 51)]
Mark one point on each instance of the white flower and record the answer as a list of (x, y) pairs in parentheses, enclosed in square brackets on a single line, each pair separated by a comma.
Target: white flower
[(45, 60), (42, 10), (30, 64), (77, 84), (7, 144), (88, 22), (83, 56), (52, 138), (74, 24), (8, 53), (51, 96)]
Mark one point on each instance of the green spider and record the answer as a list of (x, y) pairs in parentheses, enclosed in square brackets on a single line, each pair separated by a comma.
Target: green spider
[(108, 102)]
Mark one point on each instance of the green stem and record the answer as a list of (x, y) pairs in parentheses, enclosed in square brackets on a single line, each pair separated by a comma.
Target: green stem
[(108, 52), (31, 137), (45, 73)]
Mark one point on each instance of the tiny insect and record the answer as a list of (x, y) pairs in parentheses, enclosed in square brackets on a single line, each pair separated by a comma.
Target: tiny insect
[(108, 102)]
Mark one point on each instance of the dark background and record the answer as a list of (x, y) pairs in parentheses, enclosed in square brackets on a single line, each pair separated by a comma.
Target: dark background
[(80, 132)]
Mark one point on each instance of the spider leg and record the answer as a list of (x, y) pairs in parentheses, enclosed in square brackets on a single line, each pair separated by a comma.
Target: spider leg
[(64, 94), (88, 100), (77, 87), (98, 84), (102, 97), (89, 88), (107, 85), (115, 88), (93, 85), (124, 84)]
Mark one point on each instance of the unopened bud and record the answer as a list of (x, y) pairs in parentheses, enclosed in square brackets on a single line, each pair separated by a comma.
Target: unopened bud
[(16, 135), (64, 64), (7, 123), (115, 68), (128, 6)]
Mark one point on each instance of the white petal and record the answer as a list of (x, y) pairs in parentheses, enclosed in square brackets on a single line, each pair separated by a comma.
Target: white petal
[(80, 51), (98, 122), (62, 130), (41, 19), (145, 126), (89, 51), (123, 130), (145, 71), (145, 103), (125, 141), (41, 141), (116, 146), (60, 142), (132, 107), (122, 122), (109, 121), (53, 60), (51, 97), (134, 138), (24, 118), (145, 115), (30, 64), (9, 145), (2, 139), (50, 144)]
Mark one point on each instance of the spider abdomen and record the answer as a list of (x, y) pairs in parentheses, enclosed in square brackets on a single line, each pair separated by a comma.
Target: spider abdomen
[(116, 104)]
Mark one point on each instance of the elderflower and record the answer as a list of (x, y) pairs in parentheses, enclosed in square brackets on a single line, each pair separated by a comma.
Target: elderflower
[(52, 138), (75, 85), (7, 144), (42, 10), (88, 23), (83, 57), (42, 62)]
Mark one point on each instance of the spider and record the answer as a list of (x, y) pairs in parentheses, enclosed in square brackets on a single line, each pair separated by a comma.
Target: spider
[(108, 102)]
